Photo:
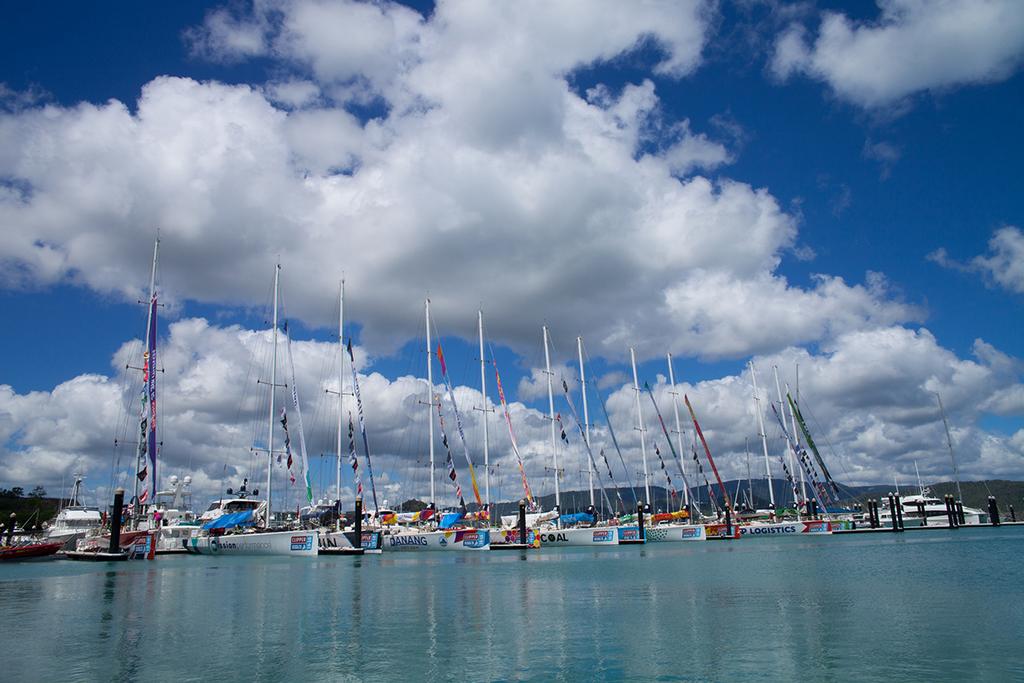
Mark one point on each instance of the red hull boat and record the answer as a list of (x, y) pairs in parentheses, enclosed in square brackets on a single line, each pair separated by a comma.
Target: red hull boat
[(29, 551)]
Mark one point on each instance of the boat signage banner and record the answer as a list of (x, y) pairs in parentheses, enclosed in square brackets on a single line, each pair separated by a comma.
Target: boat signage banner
[(403, 539), (604, 536), (303, 542), (721, 531), (512, 536), (473, 539), (629, 533), (771, 529)]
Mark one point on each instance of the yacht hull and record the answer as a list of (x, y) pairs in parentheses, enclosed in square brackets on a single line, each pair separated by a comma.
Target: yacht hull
[(813, 527), (370, 542), (589, 536), (670, 533), (462, 539), (287, 543)]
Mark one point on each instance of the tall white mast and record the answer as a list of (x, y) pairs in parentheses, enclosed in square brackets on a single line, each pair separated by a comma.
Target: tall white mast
[(949, 442), (679, 431), (586, 415), (764, 437), (145, 349), (551, 416), (789, 444), (796, 441), (273, 388), (430, 405), (483, 393), (640, 422), (341, 388), (920, 486)]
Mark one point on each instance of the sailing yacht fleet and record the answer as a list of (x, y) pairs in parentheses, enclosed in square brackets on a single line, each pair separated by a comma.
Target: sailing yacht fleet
[(243, 523)]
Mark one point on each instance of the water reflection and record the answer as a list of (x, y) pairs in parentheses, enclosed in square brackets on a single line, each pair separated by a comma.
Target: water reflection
[(704, 611)]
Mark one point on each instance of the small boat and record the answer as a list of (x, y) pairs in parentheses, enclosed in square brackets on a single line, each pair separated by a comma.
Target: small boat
[(46, 550)]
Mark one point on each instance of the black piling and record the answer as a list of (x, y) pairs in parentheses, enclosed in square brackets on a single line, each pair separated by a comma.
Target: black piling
[(920, 511), (872, 514), (640, 520), (1013, 515), (892, 514), (950, 511), (10, 528), (898, 511), (115, 522), (993, 511), (958, 510), (359, 522), (728, 522), (522, 522)]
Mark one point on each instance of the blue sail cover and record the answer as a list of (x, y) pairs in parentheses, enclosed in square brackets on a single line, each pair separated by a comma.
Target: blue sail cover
[(578, 518), (231, 520), (449, 519)]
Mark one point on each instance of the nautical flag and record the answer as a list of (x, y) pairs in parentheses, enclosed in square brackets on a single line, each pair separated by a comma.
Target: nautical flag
[(144, 496), (353, 460), (440, 359), (452, 474), (511, 435), (458, 424), (362, 424), (287, 439), (151, 389)]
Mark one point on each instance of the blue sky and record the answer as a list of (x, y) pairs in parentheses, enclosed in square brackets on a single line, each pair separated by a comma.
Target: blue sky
[(865, 172)]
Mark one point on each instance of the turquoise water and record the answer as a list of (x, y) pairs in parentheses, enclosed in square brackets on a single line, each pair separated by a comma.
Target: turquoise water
[(918, 606)]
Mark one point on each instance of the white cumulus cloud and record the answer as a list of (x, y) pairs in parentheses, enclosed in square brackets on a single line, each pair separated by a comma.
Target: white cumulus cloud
[(913, 46)]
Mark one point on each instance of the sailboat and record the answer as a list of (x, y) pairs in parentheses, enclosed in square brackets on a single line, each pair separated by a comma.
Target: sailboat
[(580, 529), (774, 525), (507, 535), (668, 526), (726, 529), (161, 518), (336, 540), (449, 533), (249, 531)]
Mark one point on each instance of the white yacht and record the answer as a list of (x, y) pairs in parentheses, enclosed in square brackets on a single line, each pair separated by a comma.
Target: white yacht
[(172, 516), (934, 511), (74, 520)]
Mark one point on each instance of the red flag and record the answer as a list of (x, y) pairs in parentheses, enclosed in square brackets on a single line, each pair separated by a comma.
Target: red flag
[(440, 359)]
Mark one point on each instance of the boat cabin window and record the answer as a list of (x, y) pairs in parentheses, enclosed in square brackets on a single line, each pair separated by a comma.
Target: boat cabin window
[(240, 505), (213, 506)]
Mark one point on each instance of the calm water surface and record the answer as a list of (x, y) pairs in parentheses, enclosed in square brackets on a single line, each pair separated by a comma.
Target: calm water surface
[(919, 606)]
